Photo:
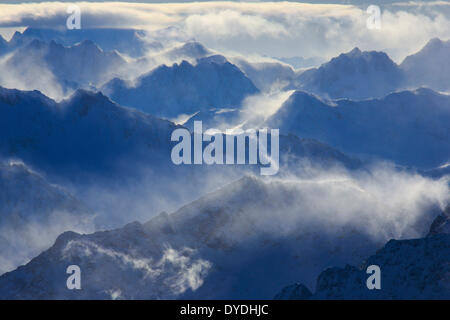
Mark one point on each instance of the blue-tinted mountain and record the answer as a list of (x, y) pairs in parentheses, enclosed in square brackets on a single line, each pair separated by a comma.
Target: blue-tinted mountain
[(429, 67), (3, 45), (87, 132), (410, 269), (106, 151), (191, 49), (33, 212), (81, 65), (409, 127), (354, 75), (266, 75), (222, 245), (184, 88), (128, 41)]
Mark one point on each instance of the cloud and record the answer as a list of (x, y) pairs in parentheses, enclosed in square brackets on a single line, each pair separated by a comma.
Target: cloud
[(22, 241), (267, 28), (29, 76), (177, 270), (264, 104), (378, 203), (232, 23)]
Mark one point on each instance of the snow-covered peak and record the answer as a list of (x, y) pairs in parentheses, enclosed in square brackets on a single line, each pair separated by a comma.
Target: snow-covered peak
[(410, 269), (83, 97), (356, 74), (128, 41), (33, 212), (356, 57), (429, 67), (248, 226), (192, 88), (419, 119), (86, 131), (191, 49), (217, 59), (15, 97), (68, 68), (434, 47), (266, 75)]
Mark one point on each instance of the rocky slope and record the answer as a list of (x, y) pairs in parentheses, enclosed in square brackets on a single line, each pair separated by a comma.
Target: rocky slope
[(33, 212), (222, 245), (353, 75), (48, 66), (429, 67), (410, 269), (184, 88), (409, 127)]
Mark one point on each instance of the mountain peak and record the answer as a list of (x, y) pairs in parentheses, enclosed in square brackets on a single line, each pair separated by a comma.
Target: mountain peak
[(88, 45), (432, 47), (193, 88), (412, 269), (65, 237), (429, 66), (14, 96), (367, 56), (441, 224), (194, 46), (296, 291), (36, 44), (191, 49), (355, 75), (87, 96), (217, 59), (435, 43), (355, 52)]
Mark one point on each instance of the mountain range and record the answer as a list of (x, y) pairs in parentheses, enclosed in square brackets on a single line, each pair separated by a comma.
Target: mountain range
[(370, 74), (95, 147), (428, 67), (364, 154), (353, 75), (128, 41), (222, 245), (85, 132), (408, 128), (82, 65), (33, 212), (410, 269), (184, 88)]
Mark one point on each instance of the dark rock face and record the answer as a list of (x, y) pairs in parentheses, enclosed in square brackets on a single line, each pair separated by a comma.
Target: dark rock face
[(442, 223), (410, 269), (295, 291)]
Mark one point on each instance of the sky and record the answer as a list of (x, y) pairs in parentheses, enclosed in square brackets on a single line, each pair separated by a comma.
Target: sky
[(257, 29), (162, 1)]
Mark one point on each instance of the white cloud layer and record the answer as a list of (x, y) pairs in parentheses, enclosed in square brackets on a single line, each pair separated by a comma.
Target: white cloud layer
[(268, 28), (176, 270)]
